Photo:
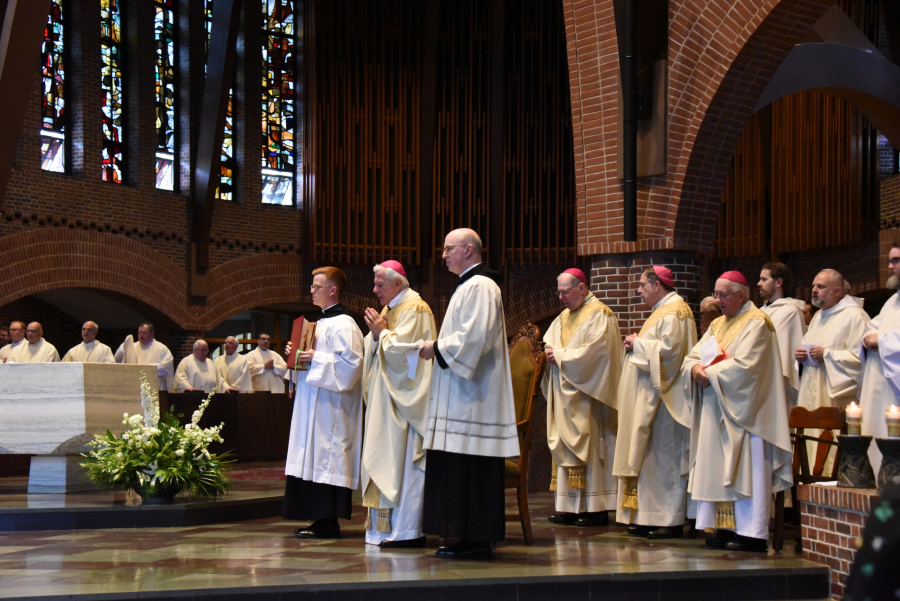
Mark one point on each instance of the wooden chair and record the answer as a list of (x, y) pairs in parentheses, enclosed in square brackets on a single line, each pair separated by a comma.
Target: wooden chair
[(829, 420), (526, 359)]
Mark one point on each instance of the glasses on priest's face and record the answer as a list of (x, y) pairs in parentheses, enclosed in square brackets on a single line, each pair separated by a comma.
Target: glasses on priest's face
[(449, 249), (565, 291), (315, 288)]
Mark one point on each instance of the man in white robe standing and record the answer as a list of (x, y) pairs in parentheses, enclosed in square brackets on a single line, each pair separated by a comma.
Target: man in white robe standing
[(397, 386), (150, 351), (776, 283), (234, 368), (197, 372), (37, 350), (651, 459), (471, 425), (326, 428), (740, 441), (90, 350), (267, 368), (16, 339), (881, 369), (580, 384)]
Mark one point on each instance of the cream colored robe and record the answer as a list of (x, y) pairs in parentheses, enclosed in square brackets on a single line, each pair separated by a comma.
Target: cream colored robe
[(192, 373), (235, 372), (40, 352), (877, 393), (786, 315), (651, 458), (90, 352), (156, 354), (745, 400), (396, 415), (581, 392), (271, 380), (8, 349)]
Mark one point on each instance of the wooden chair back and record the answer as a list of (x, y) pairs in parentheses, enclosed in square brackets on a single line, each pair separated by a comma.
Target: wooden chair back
[(830, 420)]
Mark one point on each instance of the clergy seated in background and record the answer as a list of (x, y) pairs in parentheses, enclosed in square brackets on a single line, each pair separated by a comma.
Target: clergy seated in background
[(881, 367), (267, 368), (830, 351), (471, 425), (740, 442), (149, 351), (326, 427), (197, 372), (396, 394), (807, 314), (776, 284), (37, 350), (651, 458), (16, 339), (583, 347), (709, 311), (90, 350), (234, 368)]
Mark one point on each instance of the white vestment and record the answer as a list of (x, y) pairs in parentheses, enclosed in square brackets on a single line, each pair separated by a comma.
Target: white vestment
[(787, 317), (90, 352), (878, 392), (235, 372), (156, 354), (326, 427), (581, 392), (271, 380), (39, 352), (192, 373), (7, 350), (651, 458)]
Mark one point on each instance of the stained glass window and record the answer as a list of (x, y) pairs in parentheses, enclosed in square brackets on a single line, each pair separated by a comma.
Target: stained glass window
[(278, 102), (164, 28), (53, 105), (224, 189), (111, 87)]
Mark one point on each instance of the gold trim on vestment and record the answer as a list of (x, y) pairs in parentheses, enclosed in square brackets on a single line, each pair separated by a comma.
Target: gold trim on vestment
[(392, 316), (372, 495), (570, 321), (680, 308), (629, 492), (384, 521), (577, 478), (726, 329), (725, 515), (554, 469)]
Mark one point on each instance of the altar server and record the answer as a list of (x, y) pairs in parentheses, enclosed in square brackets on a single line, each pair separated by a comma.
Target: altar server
[(197, 372), (396, 393), (740, 442), (776, 284), (90, 350), (326, 428), (234, 368), (651, 458), (16, 339), (267, 368), (149, 351), (580, 384), (37, 350), (471, 426)]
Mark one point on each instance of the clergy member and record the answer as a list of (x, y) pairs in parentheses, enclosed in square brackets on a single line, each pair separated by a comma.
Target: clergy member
[(709, 311), (807, 314), (848, 291), (266, 367), (740, 442), (16, 338), (4, 336), (197, 372), (881, 375), (326, 428), (580, 384), (471, 425), (90, 350), (37, 350), (776, 284), (397, 385), (234, 368), (149, 351), (651, 458)]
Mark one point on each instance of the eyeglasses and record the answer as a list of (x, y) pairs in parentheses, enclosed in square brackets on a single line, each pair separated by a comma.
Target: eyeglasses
[(315, 288), (565, 290), (449, 249)]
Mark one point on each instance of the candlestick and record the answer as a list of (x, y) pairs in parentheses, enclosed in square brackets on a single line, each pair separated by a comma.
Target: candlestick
[(854, 419), (892, 417)]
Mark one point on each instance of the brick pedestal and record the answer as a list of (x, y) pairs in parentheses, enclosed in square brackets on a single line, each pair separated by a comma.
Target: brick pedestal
[(833, 521)]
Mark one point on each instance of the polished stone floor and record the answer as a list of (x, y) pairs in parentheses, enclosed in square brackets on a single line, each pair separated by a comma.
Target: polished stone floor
[(263, 553)]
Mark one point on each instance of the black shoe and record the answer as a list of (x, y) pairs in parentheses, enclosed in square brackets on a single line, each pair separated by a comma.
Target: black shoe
[(412, 543), (320, 529), (566, 519), (745, 543), (465, 549), (592, 519), (666, 532), (635, 530), (720, 539)]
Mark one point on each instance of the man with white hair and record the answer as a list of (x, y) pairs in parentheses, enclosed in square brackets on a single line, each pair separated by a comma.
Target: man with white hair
[(267, 368), (90, 350), (740, 441), (37, 350), (149, 351), (776, 284), (396, 394), (709, 311), (580, 384), (234, 368), (197, 372)]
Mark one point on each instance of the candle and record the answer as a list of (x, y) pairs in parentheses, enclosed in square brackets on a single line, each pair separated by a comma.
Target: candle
[(854, 419), (892, 416)]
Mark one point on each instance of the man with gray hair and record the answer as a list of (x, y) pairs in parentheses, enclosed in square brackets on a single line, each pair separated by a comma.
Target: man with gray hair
[(197, 373), (234, 368), (37, 350), (90, 350)]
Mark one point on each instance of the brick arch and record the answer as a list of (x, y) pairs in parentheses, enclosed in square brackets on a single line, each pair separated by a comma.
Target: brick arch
[(48, 258)]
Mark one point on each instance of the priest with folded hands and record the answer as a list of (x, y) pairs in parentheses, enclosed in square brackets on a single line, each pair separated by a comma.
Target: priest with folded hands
[(90, 350), (197, 372), (234, 368), (37, 350), (267, 368)]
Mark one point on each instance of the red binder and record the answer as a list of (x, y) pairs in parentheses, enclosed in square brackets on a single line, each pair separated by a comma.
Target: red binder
[(303, 338)]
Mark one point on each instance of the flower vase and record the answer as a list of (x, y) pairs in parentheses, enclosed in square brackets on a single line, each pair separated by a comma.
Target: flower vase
[(162, 495)]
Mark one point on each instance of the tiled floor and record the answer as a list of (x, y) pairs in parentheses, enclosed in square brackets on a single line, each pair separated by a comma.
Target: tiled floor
[(264, 553)]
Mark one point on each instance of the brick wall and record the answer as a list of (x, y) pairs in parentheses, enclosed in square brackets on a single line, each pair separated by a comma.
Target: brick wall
[(890, 202)]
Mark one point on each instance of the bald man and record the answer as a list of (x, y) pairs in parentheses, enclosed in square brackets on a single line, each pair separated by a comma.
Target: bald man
[(197, 373), (16, 338), (37, 350), (90, 350), (234, 368)]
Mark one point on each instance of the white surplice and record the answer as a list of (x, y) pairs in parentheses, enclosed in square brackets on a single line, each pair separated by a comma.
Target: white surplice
[(326, 426), (235, 371), (155, 354), (878, 392), (192, 373), (89, 352), (39, 352), (787, 317), (8, 349), (263, 380)]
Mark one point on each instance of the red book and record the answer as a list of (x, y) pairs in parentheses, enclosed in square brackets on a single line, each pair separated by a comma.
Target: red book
[(303, 338)]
